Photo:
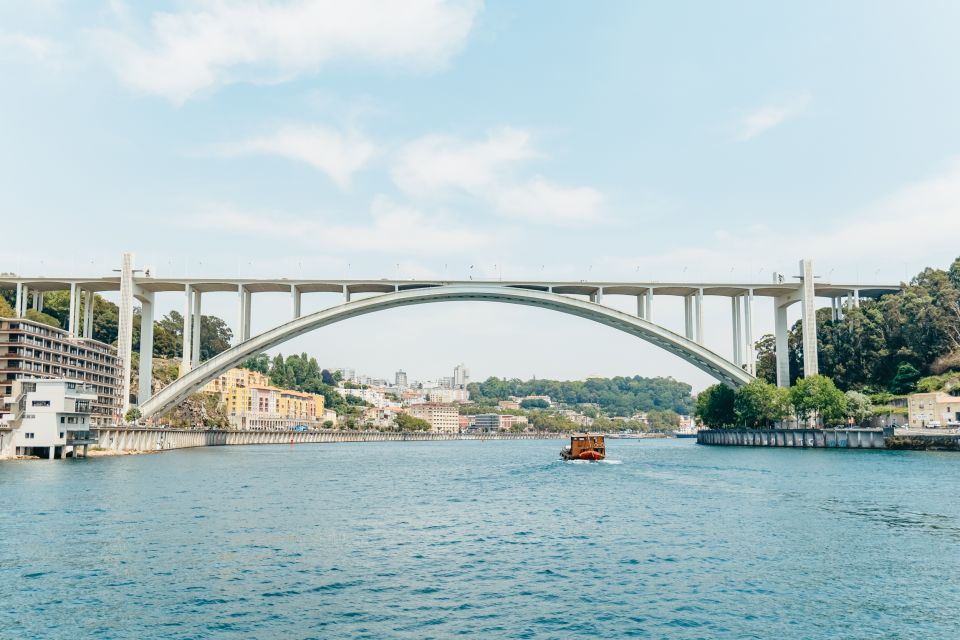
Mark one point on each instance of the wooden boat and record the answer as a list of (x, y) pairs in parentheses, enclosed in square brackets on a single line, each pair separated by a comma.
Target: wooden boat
[(584, 447)]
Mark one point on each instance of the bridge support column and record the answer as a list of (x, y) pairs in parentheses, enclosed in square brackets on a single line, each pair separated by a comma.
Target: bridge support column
[(688, 317), (38, 301), (197, 318), (748, 333), (185, 359), (809, 314), (88, 314), (737, 330), (699, 316), (295, 300), (125, 328), (783, 348), (856, 298), (18, 301), (145, 389), (346, 294), (74, 304), (247, 306), (649, 315), (641, 307), (834, 313)]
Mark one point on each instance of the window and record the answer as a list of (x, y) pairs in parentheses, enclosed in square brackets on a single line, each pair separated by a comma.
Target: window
[(72, 420), (62, 419), (28, 436), (61, 434), (40, 403)]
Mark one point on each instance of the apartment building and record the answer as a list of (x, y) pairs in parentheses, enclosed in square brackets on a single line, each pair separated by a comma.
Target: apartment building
[(31, 350)]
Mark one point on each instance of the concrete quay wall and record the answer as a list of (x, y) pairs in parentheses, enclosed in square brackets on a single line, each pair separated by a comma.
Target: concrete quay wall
[(134, 439), (804, 438)]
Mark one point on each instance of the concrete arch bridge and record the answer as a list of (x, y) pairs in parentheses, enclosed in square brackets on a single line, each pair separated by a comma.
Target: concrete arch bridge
[(583, 299)]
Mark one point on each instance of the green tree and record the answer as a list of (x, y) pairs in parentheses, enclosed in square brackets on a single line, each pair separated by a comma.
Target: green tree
[(534, 403), (905, 379), (42, 318), (406, 422), (760, 404), (6, 311), (859, 406), (714, 406), (259, 363), (766, 348), (132, 415), (817, 398)]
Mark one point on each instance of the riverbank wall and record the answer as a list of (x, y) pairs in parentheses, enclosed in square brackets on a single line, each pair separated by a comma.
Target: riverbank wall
[(802, 438), (147, 439), (889, 438)]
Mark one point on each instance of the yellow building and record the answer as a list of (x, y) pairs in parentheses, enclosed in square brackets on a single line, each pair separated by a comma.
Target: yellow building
[(236, 378), (934, 409), (252, 403)]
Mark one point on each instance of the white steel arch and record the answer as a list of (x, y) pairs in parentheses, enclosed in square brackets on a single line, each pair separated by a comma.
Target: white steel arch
[(696, 354)]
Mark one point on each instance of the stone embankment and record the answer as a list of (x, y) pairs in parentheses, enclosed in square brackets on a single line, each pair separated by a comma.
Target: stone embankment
[(121, 439), (889, 438)]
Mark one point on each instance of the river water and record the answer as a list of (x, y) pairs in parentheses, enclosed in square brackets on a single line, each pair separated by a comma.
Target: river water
[(482, 540)]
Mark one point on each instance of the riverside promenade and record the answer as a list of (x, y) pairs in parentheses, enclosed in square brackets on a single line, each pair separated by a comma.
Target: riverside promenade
[(119, 439)]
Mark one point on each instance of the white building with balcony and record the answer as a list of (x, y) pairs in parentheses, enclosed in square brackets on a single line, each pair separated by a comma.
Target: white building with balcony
[(47, 418)]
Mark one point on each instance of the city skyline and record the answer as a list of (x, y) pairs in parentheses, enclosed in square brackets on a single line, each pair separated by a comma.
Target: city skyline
[(454, 146)]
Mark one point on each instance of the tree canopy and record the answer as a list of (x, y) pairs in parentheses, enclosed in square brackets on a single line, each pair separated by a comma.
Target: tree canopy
[(884, 345), (619, 396)]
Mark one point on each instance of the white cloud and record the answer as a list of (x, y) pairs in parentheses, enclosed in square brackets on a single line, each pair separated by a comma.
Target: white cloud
[(436, 164), (17, 46), (765, 118), (218, 42), (538, 199), (393, 230), (339, 154), (439, 166)]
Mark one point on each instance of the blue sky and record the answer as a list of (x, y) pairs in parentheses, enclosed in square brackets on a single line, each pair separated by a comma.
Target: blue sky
[(619, 140)]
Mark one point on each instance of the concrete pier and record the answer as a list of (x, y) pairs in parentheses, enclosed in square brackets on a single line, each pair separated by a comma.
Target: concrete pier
[(802, 438), (150, 439)]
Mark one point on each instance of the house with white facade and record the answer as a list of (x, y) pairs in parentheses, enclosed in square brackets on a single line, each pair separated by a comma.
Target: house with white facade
[(47, 418)]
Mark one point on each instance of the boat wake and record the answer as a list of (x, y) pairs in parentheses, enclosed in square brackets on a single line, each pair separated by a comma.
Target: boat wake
[(604, 461)]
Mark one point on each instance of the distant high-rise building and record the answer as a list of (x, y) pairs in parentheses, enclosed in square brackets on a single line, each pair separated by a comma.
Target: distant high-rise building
[(346, 373), (461, 376), (400, 379)]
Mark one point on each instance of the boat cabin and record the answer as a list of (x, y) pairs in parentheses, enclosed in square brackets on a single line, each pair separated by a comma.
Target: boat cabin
[(584, 447)]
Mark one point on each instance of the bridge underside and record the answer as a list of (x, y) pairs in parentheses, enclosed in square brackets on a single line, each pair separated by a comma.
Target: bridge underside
[(687, 349)]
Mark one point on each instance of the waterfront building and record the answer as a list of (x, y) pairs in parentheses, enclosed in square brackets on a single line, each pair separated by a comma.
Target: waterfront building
[(466, 423), (508, 404), (253, 404), (46, 417), (486, 422), (508, 421), (443, 418), (933, 409), (34, 350)]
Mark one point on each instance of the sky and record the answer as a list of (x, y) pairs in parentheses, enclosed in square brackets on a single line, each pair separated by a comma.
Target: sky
[(580, 140)]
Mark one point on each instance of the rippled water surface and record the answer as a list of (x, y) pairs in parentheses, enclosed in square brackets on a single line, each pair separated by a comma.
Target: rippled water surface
[(482, 540)]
